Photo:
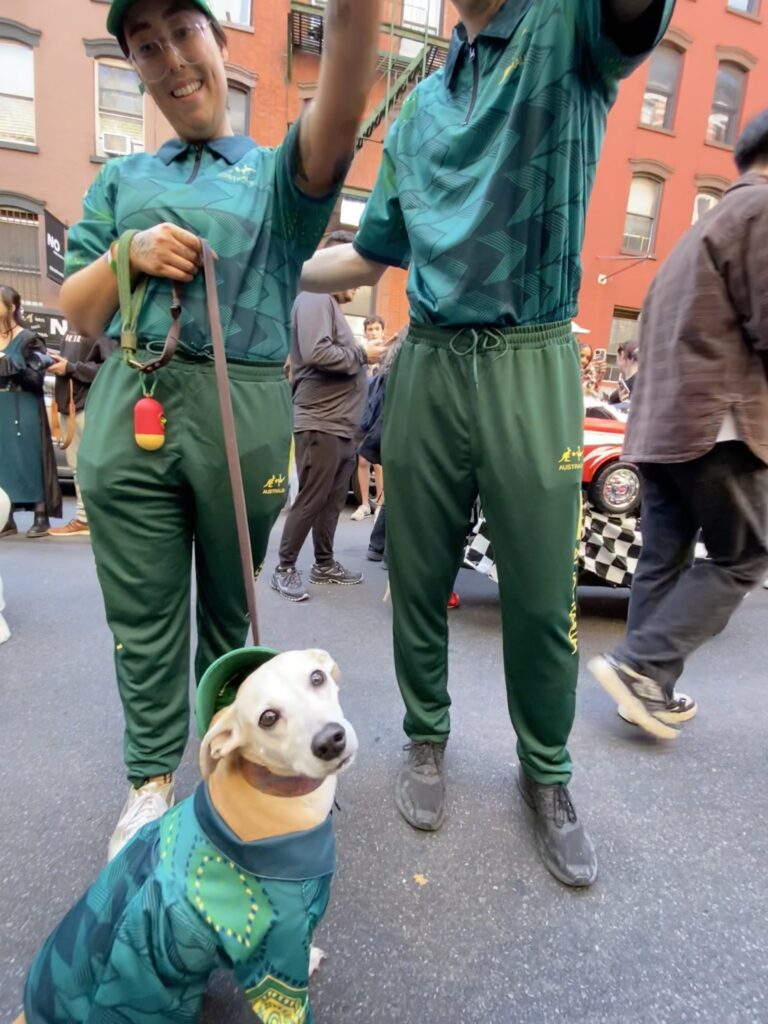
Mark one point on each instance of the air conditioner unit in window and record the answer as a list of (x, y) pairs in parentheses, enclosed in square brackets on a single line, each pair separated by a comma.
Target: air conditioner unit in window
[(115, 145)]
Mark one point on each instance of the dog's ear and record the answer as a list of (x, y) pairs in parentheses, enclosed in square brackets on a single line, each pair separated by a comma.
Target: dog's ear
[(223, 737)]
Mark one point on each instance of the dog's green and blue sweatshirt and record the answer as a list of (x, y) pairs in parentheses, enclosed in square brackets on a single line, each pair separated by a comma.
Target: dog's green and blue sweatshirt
[(184, 898), (483, 192)]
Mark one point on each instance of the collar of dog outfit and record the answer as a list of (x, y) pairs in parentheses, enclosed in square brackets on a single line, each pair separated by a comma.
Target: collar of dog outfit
[(292, 858), (265, 781)]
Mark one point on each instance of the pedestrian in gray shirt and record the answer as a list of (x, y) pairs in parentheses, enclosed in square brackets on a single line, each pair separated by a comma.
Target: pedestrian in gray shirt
[(329, 371), (698, 428)]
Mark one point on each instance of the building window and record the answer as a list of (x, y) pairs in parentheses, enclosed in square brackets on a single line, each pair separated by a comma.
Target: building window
[(661, 89), (20, 252), (726, 106), (744, 6), (239, 109), (17, 93), (624, 327), (351, 212), (119, 110), (704, 202), (420, 15), (236, 12), (642, 215)]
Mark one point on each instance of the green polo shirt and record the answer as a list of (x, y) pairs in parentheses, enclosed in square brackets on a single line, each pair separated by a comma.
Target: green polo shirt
[(486, 174), (243, 199)]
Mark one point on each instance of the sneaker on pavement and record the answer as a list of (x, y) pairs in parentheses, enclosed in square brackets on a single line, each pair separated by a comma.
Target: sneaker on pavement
[(288, 581), (374, 556), (562, 841), (681, 708), (145, 804), (640, 696), (420, 788), (74, 528), (334, 573), (364, 512)]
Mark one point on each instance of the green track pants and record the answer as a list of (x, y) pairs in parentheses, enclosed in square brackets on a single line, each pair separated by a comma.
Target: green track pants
[(149, 510), (497, 413)]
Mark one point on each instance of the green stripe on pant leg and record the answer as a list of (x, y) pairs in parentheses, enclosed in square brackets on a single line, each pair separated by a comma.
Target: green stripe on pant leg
[(141, 532), (430, 487), (529, 446), (263, 419)]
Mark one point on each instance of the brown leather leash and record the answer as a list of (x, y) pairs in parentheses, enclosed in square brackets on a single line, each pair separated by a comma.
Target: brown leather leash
[(230, 438)]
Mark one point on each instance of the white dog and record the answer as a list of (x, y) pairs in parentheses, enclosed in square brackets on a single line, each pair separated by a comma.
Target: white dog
[(5, 511), (236, 876)]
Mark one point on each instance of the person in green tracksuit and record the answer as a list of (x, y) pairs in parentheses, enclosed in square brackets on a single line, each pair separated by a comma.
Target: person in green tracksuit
[(263, 211), (483, 192)]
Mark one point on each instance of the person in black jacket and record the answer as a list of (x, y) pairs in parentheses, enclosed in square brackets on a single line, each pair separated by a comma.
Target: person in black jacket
[(27, 465), (75, 370), (626, 360)]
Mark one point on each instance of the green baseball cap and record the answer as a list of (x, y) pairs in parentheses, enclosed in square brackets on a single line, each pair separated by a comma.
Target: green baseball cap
[(120, 8), (218, 687)]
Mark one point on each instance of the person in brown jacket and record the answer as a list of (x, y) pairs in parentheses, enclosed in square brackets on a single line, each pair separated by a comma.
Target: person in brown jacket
[(698, 429)]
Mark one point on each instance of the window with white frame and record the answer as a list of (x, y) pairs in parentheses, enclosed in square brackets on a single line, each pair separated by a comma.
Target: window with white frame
[(236, 12), (119, 110), (706, 200), (661, 88), (20, 252), (420, 15), (238, 108), (744, 6), (724, 117), (17, 93), (642, 214)]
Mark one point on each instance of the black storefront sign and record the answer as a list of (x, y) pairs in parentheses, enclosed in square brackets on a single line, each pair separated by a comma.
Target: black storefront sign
[(55, 245), (52, 327)]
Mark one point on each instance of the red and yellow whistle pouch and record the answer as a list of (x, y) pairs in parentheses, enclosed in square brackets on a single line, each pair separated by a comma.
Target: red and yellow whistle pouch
[(148, 414), (149, 420)]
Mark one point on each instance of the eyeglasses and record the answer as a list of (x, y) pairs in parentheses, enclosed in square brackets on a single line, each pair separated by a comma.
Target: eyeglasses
[(188, 40)]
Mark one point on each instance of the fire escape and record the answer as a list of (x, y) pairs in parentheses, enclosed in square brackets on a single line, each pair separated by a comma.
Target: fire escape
[(411, 55)]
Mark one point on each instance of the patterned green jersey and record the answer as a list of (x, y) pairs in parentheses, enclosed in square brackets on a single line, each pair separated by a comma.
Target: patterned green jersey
[(486, 174), (183, 898), (243, 199)]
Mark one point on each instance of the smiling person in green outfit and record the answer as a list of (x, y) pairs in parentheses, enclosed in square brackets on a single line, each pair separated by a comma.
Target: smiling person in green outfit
[(483, 192), (263, 211)]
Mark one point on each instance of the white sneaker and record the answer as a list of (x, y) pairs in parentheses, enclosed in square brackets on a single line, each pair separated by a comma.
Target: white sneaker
[(148, 803), (364, 512), (681, 708)]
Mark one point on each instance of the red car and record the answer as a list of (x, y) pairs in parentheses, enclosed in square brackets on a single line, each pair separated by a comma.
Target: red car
[(611, 483)]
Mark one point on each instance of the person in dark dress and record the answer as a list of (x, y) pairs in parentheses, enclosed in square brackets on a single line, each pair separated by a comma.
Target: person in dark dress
[(27, 467)]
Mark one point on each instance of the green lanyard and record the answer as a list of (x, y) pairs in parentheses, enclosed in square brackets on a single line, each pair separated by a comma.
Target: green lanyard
[(131, 300)]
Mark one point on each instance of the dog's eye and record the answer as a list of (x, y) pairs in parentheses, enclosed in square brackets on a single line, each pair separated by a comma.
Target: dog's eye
[(268, 719), (318, 677)]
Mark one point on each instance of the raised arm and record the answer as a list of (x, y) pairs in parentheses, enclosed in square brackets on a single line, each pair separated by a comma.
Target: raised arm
[(329, 128), (338, 269)]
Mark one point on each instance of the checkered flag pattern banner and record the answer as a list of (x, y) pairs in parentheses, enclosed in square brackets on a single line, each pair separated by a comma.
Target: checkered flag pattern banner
[(610, 547)]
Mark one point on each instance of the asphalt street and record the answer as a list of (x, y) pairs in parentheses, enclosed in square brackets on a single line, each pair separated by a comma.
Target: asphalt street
[(461, 927)]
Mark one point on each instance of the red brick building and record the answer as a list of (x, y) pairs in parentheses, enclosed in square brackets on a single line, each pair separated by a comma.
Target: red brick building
[(68, 100)]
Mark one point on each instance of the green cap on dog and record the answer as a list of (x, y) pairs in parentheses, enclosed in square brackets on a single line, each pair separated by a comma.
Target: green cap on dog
[(218, 687), (120, 8)]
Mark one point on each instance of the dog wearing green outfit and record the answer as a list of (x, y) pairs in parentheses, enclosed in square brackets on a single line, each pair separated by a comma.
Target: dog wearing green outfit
[(237, 876)]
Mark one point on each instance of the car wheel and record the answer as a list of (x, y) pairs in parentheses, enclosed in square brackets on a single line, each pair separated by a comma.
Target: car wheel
[(615, 489)]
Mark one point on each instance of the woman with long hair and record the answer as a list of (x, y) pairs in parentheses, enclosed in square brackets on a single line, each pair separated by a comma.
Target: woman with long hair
[(27, 466)]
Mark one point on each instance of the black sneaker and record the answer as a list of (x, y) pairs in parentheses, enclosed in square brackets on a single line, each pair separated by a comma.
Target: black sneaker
[(288, 581), (420, 789), (641, 697), (374, 556), (334, 573), (562, 842)]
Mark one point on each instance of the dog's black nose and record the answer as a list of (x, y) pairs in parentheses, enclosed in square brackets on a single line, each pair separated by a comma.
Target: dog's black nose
[(329, 742)]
